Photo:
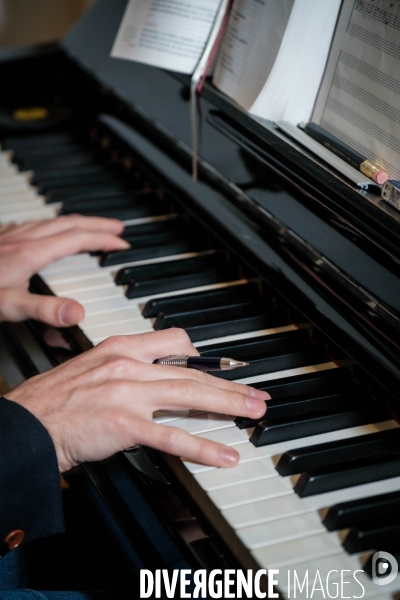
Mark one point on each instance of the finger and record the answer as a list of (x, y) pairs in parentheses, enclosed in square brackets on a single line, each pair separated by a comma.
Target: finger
[(18, 305), (6, 228), (146, 347), (71, 241), (113, 367), (178, 394), (45, 228), (179, 443)]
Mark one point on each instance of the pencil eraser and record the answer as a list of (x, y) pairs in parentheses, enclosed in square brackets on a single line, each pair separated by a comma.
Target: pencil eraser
[(380, 177)]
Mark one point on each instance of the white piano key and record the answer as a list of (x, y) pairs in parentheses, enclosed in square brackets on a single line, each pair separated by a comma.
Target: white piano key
[(78, 274), (13, 185), (22, 207), (38, 214), (92, 295), (309, 548), (204, 422), (7, 170), (203, 288), (105, 306), (17, 197), (282, 530), (71, 260), (117, 316), (287, 373), (97, 283), (102, 332), (251, 492), (271, 509), (166, 416), (244, 336), (241, 473)]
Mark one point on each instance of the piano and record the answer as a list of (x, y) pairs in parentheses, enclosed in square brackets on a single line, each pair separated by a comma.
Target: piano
[(271, 257)]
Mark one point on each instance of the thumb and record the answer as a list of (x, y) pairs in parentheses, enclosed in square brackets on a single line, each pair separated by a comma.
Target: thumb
[(17, 305)]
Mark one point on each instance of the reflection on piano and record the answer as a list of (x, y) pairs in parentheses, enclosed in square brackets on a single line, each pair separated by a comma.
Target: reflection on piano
[(270, 259)]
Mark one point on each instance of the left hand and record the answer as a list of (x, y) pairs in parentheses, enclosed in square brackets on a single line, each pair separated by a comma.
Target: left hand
[(26, 249)]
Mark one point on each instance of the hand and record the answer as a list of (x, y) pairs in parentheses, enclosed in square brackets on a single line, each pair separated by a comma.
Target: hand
[(26, 249), (103, 401)]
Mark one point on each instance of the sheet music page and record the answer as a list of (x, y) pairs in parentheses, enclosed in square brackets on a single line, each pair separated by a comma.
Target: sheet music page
[(252, 41), (359, 100), (170, 34)]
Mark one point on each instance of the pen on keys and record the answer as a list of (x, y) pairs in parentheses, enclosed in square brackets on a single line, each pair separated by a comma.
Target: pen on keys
[(200, 363)]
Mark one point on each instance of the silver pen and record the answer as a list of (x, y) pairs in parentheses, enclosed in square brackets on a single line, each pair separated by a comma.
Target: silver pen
[(200, 363)]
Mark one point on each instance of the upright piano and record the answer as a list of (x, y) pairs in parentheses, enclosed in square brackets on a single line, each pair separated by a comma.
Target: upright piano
[(271, 257)]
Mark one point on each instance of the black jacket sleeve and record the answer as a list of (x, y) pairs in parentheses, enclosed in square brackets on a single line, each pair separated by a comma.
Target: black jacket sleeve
[(30, 491)]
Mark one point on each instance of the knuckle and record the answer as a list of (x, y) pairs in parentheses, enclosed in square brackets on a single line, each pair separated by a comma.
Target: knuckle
[(180, 336), (120, 365), (110, 345), (173, 440), (186, 388), (118, 420)]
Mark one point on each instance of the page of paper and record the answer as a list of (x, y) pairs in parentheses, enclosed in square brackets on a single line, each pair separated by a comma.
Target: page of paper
[(252, 41), (359, 101), (292, 86), (170, 34)]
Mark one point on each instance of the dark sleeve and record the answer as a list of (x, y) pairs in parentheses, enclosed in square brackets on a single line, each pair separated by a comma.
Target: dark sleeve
[(30, 490)]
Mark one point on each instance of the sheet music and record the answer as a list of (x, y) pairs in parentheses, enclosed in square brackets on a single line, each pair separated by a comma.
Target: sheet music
[(251, 44), (169, 34), (359, 101)]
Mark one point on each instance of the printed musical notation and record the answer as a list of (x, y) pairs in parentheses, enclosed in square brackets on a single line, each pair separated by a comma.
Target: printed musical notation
[(385, 11), (359, 97)]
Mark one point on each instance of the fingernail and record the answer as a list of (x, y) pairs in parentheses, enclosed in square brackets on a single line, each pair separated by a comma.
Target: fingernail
[(124, 245), (259, 394), (68, 314), (257, 407), (228, 457)]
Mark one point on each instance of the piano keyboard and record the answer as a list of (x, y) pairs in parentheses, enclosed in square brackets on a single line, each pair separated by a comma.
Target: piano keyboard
[(324, 444)]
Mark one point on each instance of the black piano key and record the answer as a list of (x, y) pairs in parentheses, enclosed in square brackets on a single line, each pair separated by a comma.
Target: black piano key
[(147, 253), (169, 268), (180, 282), (35, 140), (301, 386), (191, 317), (48, 150), (235, 327), (201, 300), (154, 227), (156, 239), (360, 540), (105, 201), (78, 180), (151, 209), (291, 360), (298, 406), (261, 346), (94, 191), (42, 177), (321, 422), (58, 161), (349, 474), (377, 509), (310, 458)]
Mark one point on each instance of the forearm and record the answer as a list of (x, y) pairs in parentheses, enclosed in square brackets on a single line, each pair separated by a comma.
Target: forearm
[(30, 493)]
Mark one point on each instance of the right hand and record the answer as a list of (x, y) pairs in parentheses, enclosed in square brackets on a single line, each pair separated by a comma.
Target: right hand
[(103, 401)]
